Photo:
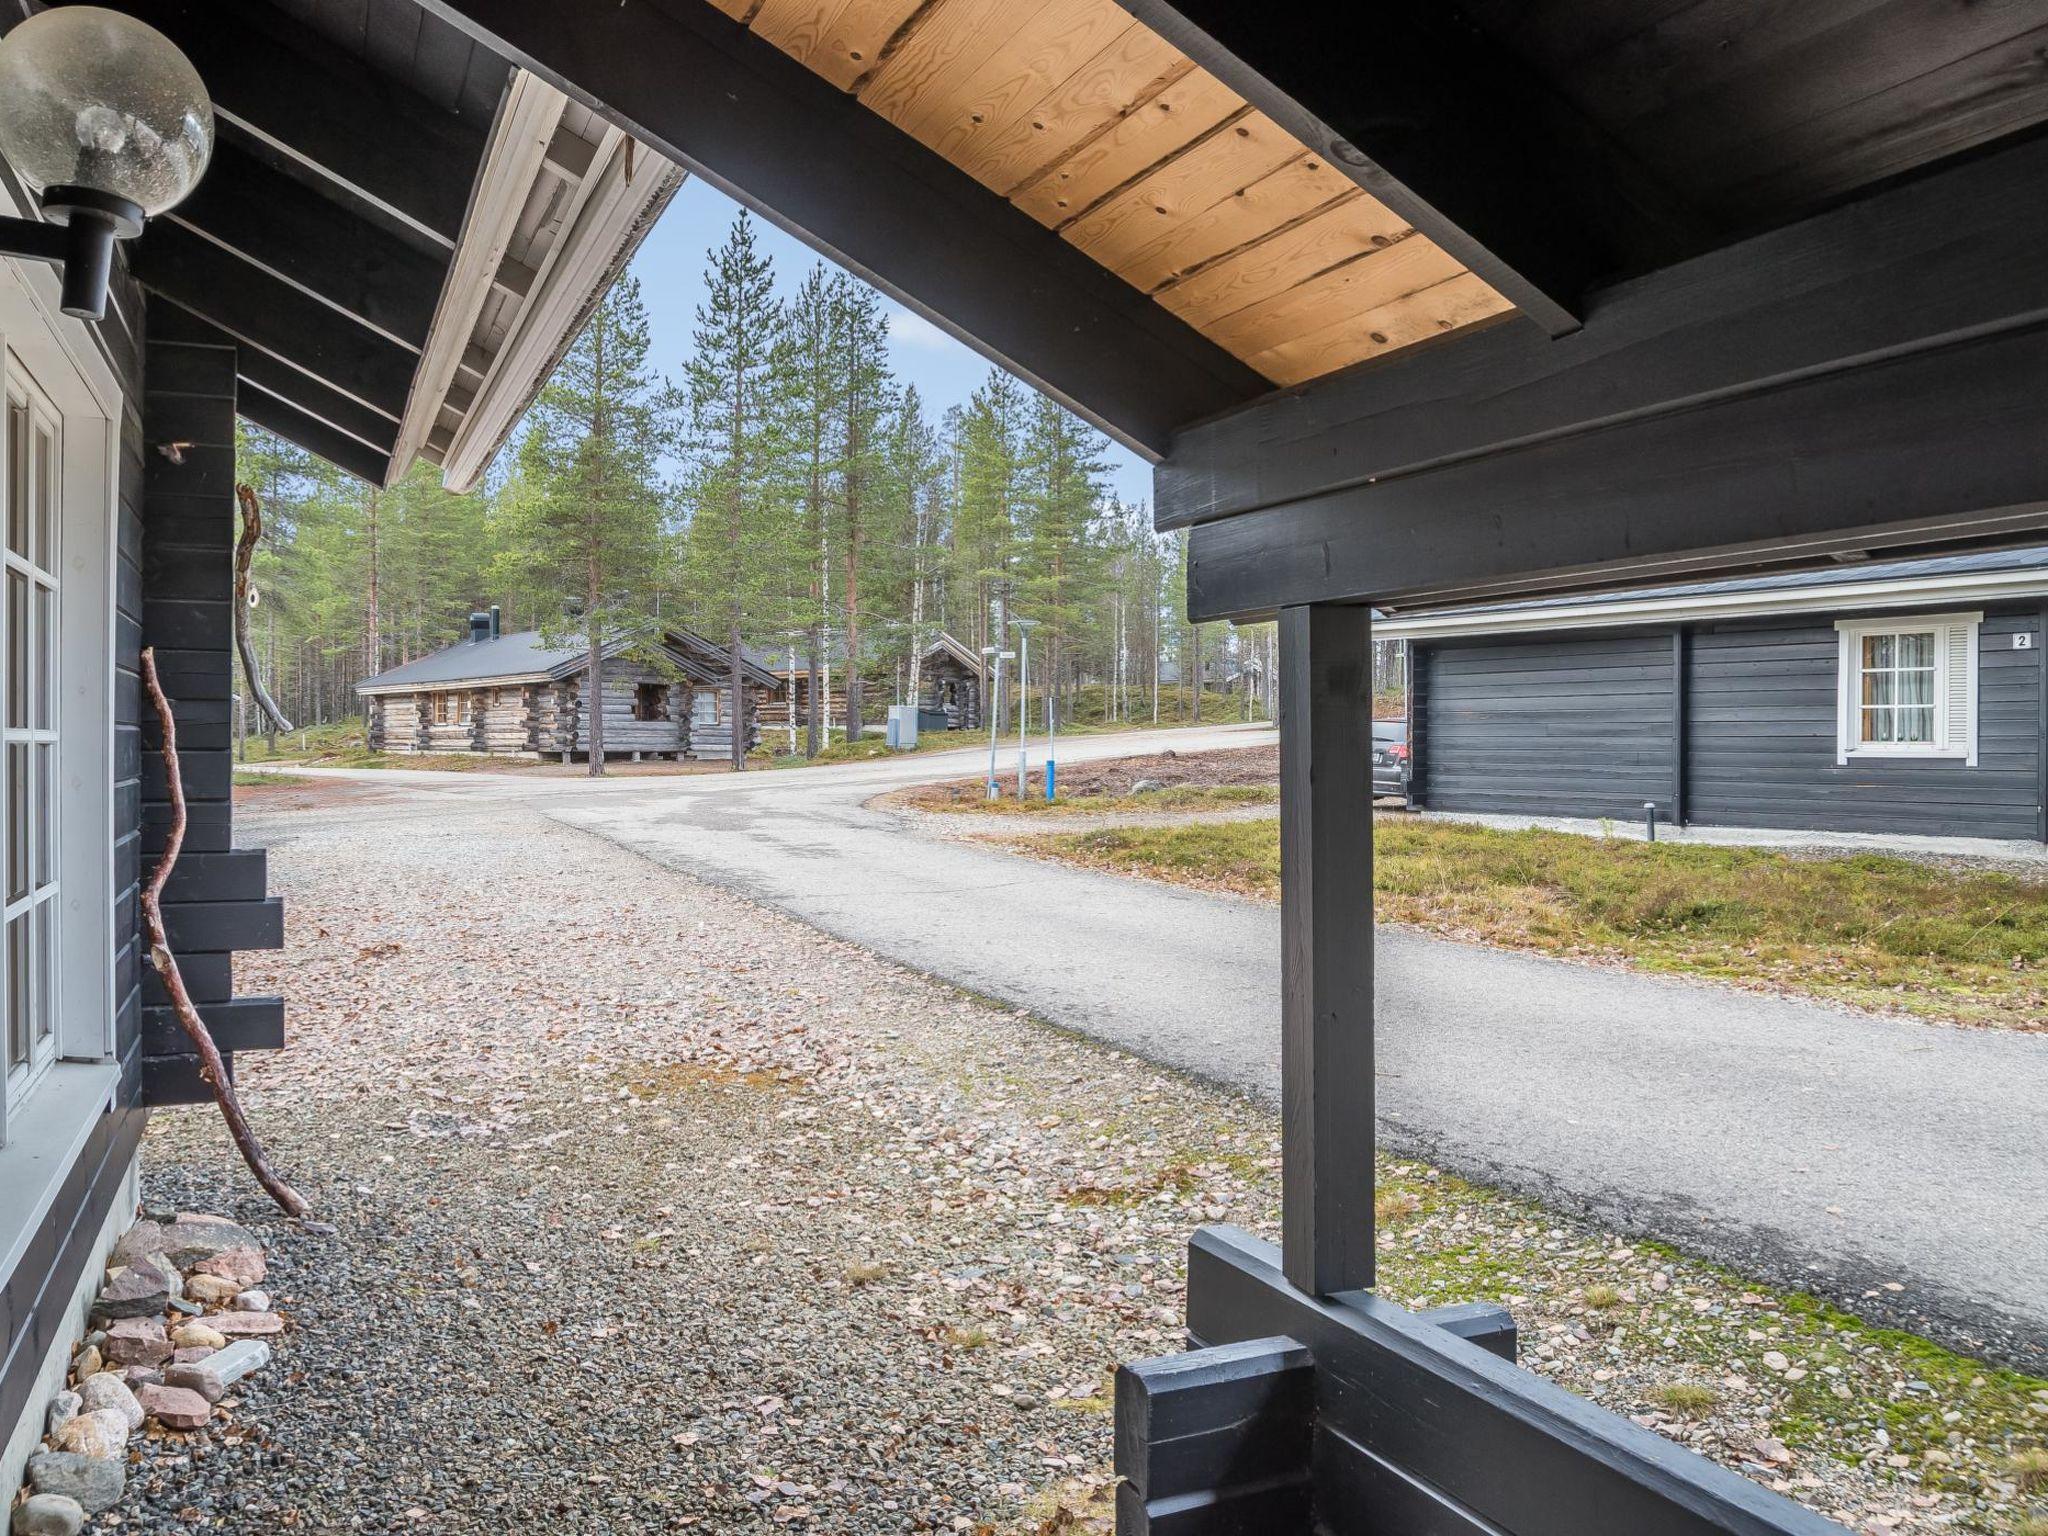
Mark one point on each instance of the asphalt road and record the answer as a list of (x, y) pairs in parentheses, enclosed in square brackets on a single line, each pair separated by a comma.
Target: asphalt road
[(1840, 1152)]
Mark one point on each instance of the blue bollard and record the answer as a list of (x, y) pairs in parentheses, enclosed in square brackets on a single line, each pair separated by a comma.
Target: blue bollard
[(1052, 776)]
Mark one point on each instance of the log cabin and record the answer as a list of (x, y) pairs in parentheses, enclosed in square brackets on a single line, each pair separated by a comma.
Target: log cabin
[(1406, 305), (950, 679), (667, 694)]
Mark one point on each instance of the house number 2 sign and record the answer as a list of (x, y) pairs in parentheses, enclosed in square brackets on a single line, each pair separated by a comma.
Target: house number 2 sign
[(2023, 640)]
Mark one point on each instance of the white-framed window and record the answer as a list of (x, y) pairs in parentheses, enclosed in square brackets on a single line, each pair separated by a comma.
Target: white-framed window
[(31, 448), (1908, 687)]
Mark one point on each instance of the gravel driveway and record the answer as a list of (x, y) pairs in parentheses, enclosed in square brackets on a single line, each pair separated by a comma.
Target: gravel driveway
[(658, 1210)]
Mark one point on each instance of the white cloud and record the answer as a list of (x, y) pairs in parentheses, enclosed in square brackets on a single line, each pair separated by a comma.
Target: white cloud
[(910, 329)]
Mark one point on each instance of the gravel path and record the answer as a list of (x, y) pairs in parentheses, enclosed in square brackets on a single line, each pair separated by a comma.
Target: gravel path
[(660, 1211)]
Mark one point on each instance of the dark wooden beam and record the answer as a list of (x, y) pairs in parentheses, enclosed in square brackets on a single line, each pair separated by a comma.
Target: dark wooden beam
[(314, 435), (1681, 734), (1901, 455), (1418, 1429), (254, 307), (687, 79), (1948, 257), (330, 115), (1326, 950), (274, 376), (1449, 132), (319, 246)]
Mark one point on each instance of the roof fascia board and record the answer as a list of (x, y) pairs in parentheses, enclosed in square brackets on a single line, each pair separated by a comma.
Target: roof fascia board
[(616, 203), (1898, 592), (525, 126)]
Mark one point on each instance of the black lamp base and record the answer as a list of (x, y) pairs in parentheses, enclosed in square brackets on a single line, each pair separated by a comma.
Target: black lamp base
[(79, 237)]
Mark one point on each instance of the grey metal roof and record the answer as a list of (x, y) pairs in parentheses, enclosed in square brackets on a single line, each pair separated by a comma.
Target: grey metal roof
[(1849, 573), (473, 661), (523, 654)]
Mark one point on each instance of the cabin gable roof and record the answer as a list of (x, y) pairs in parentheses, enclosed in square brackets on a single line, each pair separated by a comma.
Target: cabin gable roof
[(525, 657)]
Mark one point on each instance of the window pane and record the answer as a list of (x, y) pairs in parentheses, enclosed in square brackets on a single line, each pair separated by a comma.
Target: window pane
[(17, 821), (1916, 687), (1916, 725), (43, 795), (17, 991), (45, 502), (1917, 650), (17, 650), (43, 947), (43, 660), (1879, 651), (1877, 688), (17, 479)]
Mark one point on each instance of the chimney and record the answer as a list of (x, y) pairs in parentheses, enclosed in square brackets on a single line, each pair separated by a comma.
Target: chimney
[(479, 627), (497, 621)]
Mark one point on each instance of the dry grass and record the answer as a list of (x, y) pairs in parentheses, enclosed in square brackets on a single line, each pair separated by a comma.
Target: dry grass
[(1864, 929), (1687, 1399), (2029, 1468), (1601, 1297)]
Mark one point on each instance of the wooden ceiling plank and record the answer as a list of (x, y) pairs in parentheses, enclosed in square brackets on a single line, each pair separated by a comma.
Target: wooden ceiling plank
[(852, 43), (1135, 67), (952, 39), (1430, 312), (1328, 238), (797, 27), (1355, 287), (1197, 179), (1061, 37), (1297, 188), (1190, 107)]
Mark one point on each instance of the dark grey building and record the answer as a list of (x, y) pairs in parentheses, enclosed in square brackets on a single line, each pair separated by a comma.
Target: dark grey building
[(1908, 697)]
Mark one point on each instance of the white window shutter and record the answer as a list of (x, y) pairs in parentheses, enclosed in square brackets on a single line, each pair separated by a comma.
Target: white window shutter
[(1961, 640)]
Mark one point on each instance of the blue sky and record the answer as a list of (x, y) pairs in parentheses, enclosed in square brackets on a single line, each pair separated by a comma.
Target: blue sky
[(670, 267)]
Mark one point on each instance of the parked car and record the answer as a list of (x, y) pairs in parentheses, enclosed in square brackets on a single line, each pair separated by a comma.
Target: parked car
[(1390, 758)]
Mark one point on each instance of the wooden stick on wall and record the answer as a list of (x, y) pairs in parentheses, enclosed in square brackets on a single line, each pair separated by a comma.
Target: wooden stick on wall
[(245, 551), (212, 1069)]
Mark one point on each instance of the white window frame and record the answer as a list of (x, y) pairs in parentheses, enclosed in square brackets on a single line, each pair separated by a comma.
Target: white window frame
[(1948, 743), (39, 343)]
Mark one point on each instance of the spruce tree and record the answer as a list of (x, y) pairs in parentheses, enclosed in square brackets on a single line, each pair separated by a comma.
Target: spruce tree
[(861, 332), (593, 515), (742, 536)]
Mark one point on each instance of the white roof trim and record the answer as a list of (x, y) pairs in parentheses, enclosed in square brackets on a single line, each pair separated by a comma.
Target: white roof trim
[(602, 227), (620, 196), (1895, 592)]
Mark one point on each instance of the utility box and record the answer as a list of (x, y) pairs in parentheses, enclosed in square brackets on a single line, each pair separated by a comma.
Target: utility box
[(902, 726)]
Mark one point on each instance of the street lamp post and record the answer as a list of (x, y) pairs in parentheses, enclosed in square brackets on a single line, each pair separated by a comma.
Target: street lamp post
[(1024, 628), (1051, 746), (992, 660)]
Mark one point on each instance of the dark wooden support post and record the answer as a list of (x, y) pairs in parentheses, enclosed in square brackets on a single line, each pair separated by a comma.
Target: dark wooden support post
[(1681, 707), (1326, 1067), (1216, 1441)]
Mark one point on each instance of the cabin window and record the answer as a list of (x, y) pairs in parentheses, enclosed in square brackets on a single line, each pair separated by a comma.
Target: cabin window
[(650, 701), (704, 707), (1908, 688), (451, 709), (28, 736)]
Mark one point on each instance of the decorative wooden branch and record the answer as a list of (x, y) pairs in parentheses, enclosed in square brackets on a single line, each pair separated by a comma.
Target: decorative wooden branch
[(212, 1070), (245, 551)]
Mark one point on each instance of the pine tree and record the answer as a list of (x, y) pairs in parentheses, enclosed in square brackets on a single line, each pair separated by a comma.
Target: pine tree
[(594, 514), (985, 506), (742, 537), (861, 332), (815, 395), (1060, 560)]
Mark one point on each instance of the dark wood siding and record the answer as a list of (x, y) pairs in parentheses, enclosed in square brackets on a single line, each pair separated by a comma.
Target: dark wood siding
[(215, 904), (1565, 725), (1762, 740)]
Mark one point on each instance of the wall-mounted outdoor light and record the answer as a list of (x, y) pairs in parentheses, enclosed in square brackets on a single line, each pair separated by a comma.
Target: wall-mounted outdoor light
[(108, 123)]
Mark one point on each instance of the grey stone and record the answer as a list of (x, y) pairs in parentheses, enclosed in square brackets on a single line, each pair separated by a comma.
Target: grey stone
[(141, 1289), (189, 1308), (253, 1301), (64, 1407), (94, 1481), (49, 1514), (199, 1376), (144, 1240), (107, 1390), (141, 1376), (242, 1358), (1146, 786), (193, 1239)]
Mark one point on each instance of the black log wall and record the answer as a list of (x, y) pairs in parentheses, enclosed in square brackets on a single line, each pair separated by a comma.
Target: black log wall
[(215, 903), (1584, 725)]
